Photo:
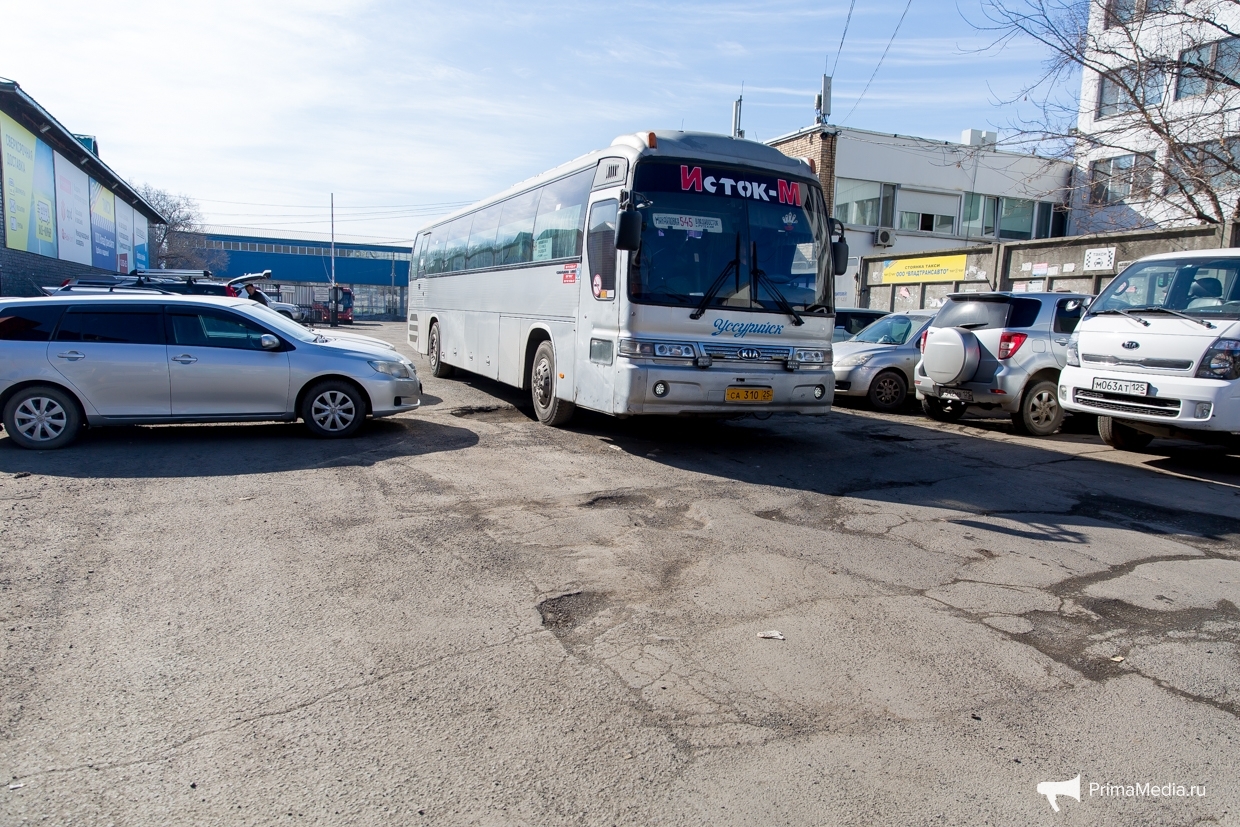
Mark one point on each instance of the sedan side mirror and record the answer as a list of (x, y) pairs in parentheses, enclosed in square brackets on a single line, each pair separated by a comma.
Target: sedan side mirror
[(268, 342), (628, 230)]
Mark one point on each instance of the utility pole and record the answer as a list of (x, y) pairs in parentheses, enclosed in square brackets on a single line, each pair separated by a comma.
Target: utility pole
[(331, 293), (737, 132)]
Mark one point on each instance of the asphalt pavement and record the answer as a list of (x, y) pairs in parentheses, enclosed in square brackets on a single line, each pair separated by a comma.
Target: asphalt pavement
[(464, 617)]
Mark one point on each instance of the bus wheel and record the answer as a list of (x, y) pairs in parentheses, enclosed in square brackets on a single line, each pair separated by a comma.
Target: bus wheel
[(550, 409), (438, 369)]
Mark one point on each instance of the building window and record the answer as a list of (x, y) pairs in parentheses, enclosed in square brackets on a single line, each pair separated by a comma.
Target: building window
[(1115, 180), (1128, 89), (1016, 218), (1213, 165), (1206, 68), (980, 212), (927, 222), (1126, 12), (865, 203)]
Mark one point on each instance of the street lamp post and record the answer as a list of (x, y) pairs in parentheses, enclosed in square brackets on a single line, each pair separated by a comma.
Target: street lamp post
[(332, 296)]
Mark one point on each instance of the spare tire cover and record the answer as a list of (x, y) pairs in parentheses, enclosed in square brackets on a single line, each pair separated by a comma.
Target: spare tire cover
[(951, 355)]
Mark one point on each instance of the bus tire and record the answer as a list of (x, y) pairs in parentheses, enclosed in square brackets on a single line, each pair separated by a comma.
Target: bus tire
[(435, 354), (550, 409), (1120, 436)]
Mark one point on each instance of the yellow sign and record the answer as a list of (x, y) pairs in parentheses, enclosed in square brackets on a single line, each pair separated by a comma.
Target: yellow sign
[(924, 268)]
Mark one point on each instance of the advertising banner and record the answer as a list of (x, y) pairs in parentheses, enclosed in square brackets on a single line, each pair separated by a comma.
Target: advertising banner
[(124, 237), (72, 211), (102, 227), (29, 189), (924, 269), (141, 259)]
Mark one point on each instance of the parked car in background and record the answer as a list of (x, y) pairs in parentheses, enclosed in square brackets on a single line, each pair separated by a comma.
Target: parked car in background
[(124, 359), (878, 362), (1158, 353), (999, 350), (851, 321), (182, 282), (286, 309)]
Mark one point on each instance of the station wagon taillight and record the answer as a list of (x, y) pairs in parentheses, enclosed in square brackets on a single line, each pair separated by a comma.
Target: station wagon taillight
[(1010, 342), (922, 344)]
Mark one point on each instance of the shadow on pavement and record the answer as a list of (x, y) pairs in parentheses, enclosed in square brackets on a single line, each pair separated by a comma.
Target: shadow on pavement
[(230, 450)]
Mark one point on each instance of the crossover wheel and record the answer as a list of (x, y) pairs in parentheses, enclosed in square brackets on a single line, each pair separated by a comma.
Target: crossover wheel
[(1040, 413), (333, 409), (435, 353), (888, 391), (943, 410), (550, 409), (42, 418), (1120, 436)]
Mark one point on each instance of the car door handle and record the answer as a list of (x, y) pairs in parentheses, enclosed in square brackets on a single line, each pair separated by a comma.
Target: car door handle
[(71, 355), (1061, 341), (185, 359)]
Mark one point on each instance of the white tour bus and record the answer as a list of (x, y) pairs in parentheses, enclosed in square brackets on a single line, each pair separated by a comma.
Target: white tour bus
[(671, 273)]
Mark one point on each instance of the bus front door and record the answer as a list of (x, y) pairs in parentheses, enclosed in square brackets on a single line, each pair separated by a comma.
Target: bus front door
[(598, 317)]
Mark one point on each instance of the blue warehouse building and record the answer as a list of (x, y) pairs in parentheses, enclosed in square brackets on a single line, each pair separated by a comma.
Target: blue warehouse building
[(300, 269)]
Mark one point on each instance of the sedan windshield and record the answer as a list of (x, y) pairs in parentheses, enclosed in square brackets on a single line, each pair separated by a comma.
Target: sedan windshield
[(703, 226), (271, 318), (891, 330), (1200, 287)]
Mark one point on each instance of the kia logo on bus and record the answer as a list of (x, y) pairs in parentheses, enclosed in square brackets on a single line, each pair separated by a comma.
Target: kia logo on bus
[(749, 353), (1130, 345)]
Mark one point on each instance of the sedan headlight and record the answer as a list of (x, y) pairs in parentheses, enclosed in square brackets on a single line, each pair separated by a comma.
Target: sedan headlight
[(634, 348), (1074, 350), (397, 370), (854, 360), (1222, 360), (813, 356)]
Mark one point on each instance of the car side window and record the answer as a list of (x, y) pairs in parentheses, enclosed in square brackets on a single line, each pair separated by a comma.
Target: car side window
[(30, 323), (1068, 314), (206, 328), (119, 326)]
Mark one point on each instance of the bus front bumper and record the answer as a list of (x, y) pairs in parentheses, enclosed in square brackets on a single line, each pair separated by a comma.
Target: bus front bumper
[(692, 390)]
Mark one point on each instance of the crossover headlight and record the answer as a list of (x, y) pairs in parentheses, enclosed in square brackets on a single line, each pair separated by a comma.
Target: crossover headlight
[(397, 370), (1222, 360), (636, 348), (813, 356), (854, 360), (1074, 350)]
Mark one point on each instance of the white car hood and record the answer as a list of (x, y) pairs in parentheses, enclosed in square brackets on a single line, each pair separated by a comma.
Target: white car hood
[(1169, 343)]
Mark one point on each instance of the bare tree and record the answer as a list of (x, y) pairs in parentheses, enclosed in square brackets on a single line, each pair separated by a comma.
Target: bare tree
[(179, 244), (1143, 94)]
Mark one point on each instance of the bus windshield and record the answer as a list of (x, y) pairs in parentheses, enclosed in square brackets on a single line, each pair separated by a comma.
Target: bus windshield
[(1201, 287), (700, 221)]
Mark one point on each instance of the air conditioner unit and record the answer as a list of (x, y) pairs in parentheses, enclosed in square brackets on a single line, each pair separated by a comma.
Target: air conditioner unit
[(884, 237)]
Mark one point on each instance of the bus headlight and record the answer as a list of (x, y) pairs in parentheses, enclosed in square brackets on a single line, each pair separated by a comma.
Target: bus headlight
[(814, 356), (1222, 360), (635, 348), (397, 370)]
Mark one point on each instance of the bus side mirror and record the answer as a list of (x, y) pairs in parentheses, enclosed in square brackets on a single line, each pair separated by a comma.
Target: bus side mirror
[(628, 230), (839, 256)]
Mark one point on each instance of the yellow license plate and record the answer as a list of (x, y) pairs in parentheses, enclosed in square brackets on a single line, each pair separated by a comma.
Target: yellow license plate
[(748, 395)]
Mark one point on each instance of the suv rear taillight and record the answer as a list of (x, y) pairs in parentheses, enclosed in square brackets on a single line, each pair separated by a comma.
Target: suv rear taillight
[(230, 290), (1010, 342), (922, 344)]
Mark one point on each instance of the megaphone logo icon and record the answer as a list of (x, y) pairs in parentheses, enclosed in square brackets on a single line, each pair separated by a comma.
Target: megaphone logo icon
[(1051, 789)]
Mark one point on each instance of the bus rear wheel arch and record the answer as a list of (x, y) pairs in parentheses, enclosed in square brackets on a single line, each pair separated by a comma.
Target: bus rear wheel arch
[(549, 408)]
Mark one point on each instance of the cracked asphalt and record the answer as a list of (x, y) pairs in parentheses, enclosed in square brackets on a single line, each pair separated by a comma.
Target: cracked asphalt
[(463, 617)]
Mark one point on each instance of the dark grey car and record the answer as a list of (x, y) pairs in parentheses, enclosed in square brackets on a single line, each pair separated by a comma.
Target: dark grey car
[(999, 350)]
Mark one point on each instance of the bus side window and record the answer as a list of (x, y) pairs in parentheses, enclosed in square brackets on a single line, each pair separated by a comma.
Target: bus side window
[(418, 263), (601, 249)]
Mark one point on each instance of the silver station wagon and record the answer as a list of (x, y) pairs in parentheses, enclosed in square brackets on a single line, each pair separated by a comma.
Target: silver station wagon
[(125, 359)]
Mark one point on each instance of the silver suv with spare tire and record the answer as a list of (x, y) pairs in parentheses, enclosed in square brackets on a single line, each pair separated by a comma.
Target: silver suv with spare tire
[(999, 350)]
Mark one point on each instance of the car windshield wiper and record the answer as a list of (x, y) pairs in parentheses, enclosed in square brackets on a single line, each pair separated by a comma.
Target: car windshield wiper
[(710, 294), (1157, 309), (1115, 311), (761, 277)]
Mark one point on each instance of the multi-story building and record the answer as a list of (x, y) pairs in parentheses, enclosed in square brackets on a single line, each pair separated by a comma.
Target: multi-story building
[(899, 193)]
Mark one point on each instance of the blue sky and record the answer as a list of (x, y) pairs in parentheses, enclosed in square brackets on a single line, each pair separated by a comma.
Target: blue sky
[(259, 110)]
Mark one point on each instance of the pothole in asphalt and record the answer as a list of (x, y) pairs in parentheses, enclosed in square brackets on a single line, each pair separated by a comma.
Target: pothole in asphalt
[(568, 611), (493, 413), (618, 499)]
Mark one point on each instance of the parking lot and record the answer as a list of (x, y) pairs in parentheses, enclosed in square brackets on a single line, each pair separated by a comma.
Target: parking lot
[(464, 617)]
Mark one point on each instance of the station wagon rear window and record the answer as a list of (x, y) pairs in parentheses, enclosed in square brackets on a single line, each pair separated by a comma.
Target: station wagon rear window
[(30, 323)]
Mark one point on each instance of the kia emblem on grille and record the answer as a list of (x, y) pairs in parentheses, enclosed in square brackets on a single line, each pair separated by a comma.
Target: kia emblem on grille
[(749, 353), (1130, 345)]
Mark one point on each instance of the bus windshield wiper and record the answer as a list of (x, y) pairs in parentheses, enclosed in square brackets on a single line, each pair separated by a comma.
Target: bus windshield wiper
[(1115, 311), (761, 277), (710, 294), (1157, 309)]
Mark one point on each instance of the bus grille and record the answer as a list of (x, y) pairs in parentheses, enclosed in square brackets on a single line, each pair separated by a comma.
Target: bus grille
[(733, 353), (1120, 403)]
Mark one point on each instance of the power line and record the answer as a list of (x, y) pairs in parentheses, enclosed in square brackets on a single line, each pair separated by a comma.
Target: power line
[(880, 62), (843, 35), (355, 207)]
